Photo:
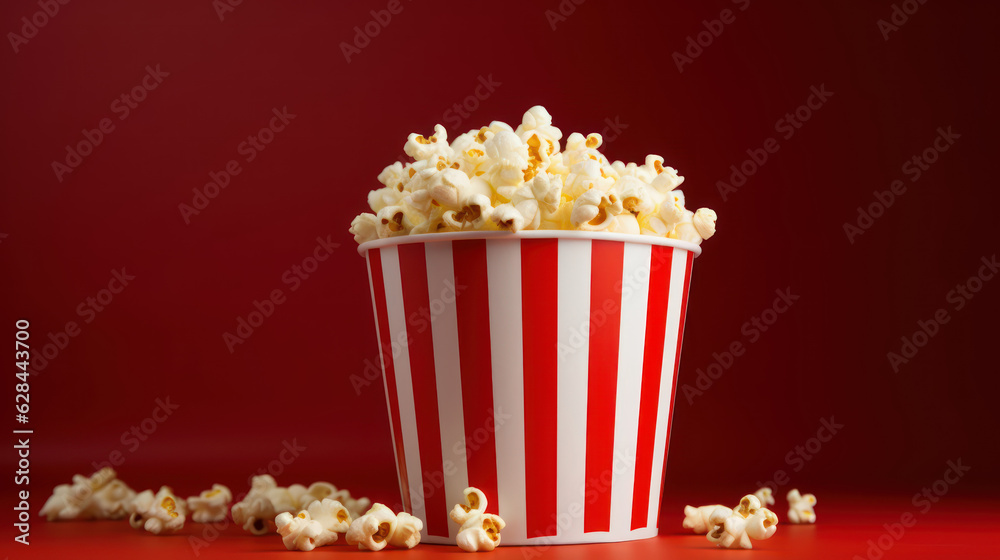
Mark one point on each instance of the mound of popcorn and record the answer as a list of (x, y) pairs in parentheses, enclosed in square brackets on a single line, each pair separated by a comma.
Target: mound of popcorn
[(499, 178)]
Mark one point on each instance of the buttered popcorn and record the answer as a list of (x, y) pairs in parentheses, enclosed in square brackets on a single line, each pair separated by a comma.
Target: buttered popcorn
[(737, 527), (800, 507), (499, 178)]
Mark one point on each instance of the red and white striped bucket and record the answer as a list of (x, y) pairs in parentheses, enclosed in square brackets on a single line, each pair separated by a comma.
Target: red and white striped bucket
[(539, 367)]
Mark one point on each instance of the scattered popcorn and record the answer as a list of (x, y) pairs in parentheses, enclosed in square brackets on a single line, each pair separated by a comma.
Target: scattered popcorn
[(800, 507), (372, 530), (318, 525), (479, 530), (160, 513), (697, 518), (735, 528), (502, 179), (99, 496), (211, 505), (260, 507), (765, 496)]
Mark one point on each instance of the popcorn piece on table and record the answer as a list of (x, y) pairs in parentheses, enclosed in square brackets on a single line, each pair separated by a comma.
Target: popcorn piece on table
[(211, 505), (372, 530), (256, 512), (298, 531), (160, 513), (355, 506), (479, 530), (735, 528), (99, 496), (407, 532), (697, 518), (765, 496), (800, 507), (318, 525)]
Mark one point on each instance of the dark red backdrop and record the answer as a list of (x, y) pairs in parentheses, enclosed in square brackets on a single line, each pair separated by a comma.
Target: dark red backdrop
[(783, 229)]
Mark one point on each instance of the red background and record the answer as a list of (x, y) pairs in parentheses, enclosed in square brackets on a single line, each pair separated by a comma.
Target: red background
[(162, 336)]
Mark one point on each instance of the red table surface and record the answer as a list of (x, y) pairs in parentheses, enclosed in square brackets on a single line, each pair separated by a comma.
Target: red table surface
[(847, 527)]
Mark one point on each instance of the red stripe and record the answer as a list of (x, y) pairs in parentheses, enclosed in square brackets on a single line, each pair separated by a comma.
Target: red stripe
[(385, 340), (539, 323), (652, 364), (472, 306), (607, 260), (677, 365), (416, 303)]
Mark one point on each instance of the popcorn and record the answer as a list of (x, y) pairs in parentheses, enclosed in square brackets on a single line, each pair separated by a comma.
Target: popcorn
[(407, 533), (318, 525), (365, 228), (160, 513), (99, 496), (697, 518), (298, 531), (735, 528), (800, 507), (595, 210), (765, 496), (373, 529), (498, 178), (479, 530), (480, 533), (258, 510), (211, 505)]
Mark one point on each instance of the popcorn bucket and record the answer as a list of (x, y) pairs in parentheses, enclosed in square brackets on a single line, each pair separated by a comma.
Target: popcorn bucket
[(539, 367)]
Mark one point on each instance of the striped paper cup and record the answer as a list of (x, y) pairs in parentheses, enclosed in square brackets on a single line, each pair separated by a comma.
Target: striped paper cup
[(539, 367)]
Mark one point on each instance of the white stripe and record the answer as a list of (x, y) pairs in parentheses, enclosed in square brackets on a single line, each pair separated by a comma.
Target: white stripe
[(404, 385), (381, 361), (571, 414), (631, 342), (447, 369), (503, 262), (676, 297)]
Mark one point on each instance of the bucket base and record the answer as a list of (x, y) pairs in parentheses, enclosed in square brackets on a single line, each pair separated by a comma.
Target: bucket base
[(585, 538)]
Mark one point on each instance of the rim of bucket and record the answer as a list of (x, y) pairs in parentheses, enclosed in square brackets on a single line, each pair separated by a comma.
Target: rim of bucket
[(529, 234)]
